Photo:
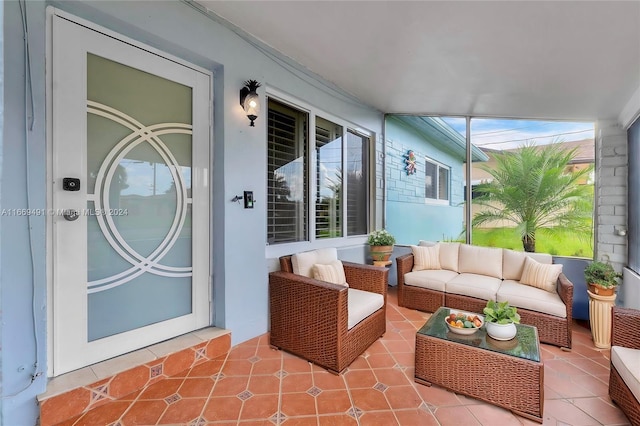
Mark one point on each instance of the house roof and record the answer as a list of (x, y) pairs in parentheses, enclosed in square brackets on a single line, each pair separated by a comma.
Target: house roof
[(567, 60), (440, 134), (585, 150)]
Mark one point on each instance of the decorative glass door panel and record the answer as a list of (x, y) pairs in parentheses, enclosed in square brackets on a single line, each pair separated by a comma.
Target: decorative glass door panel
[(139, 146), (140, 198)]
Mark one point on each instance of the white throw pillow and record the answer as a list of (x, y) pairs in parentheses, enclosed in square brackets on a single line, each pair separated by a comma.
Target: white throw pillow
[(302, 263), (513, 262), (540, 275), (480, 260), (449, 256), (331, 272), (426, 257)]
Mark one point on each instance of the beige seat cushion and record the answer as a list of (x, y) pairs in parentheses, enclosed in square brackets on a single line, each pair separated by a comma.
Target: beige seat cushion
[(425, 243), (627, 364), (361, 304), (302, 263), (513, 262), (540, 275), (433, 280), (449, 256), (331, 272), (426, 257), (531, 298), (480, 260), (474, 285)]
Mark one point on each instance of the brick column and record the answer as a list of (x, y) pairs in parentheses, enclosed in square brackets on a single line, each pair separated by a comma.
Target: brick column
[(611, 193)]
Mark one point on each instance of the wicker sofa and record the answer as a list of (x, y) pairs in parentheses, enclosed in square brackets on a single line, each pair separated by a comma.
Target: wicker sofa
[(325, 323), (624, 376), (467, 276)]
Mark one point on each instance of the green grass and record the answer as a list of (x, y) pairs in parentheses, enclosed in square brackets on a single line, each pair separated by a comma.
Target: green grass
[(562, 243)]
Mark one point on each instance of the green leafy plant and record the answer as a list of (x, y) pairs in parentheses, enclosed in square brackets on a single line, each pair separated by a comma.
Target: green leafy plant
[(501, 313), (602, 274), (381, 237), (532, 188)]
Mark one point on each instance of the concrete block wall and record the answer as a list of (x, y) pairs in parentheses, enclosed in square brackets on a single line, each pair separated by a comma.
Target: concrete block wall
[(611, 193), (400, 186)]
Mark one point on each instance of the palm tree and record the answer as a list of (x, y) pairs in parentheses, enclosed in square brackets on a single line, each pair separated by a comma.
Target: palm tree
[(532, 188)]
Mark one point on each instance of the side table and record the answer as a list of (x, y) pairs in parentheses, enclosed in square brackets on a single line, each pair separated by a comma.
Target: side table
[(600, 319)]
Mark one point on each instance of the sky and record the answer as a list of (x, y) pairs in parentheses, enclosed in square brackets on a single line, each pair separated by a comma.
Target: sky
[(511, 133)]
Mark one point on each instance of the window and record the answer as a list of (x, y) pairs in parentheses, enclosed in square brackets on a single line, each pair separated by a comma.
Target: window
[(328, 179), (316, 191), (357, 171), (286, 174), (436, 181)]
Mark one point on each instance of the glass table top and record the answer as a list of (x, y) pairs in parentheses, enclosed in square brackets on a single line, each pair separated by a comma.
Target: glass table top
[(525, 345)]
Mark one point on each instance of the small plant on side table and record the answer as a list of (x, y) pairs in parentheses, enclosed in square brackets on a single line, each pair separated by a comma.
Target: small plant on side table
[(381, 246), (381, 237), (602, 281), (601, 278)]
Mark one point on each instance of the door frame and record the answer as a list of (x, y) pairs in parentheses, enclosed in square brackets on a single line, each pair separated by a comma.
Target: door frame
[(51, 14)]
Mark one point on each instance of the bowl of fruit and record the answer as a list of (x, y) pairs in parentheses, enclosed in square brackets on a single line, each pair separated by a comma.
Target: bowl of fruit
[(462, 322)]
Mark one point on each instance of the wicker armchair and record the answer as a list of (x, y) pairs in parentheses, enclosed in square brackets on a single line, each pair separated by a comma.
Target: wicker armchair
[(625, 332), (309, 318)]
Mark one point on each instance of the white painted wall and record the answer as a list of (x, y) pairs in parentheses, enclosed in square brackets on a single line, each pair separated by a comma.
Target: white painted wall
[(611, 201), (629, 292)]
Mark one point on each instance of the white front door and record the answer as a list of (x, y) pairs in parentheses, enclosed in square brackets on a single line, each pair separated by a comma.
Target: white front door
[(130, 172)]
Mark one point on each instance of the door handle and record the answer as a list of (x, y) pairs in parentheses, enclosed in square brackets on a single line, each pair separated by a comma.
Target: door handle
[(70, 214)]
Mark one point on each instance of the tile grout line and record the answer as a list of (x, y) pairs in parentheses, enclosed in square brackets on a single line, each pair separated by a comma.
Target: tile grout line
[(279, 410), (353, 405), (414, 385), (280, 380), (215, 382), (315, 397)]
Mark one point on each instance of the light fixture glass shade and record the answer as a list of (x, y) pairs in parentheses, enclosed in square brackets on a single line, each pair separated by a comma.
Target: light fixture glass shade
[(250, 101), (252, 104)]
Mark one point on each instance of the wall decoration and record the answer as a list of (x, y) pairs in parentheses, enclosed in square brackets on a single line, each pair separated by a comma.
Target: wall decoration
[(410, 161)]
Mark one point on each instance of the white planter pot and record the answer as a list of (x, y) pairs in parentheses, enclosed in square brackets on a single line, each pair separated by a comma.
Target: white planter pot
[(501, 331)]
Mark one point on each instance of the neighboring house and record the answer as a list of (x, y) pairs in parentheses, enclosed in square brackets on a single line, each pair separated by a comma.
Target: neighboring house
[(427, 204), (585, 157)]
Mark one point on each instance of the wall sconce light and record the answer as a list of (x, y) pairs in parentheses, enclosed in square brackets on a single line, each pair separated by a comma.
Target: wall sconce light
[(249, 100)]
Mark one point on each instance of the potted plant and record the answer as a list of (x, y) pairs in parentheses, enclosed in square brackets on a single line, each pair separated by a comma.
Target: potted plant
[(602, 281), (381, 246), (500, 319), (601, 278)]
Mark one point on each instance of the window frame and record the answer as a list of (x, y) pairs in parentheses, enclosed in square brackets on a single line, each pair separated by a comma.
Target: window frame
[(313, 242), (438, 200)]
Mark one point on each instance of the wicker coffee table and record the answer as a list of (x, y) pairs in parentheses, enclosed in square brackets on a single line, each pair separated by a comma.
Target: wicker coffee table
[(508, 374)]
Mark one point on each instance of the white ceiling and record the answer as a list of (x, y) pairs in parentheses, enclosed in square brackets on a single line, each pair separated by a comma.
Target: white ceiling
[(530, 59)]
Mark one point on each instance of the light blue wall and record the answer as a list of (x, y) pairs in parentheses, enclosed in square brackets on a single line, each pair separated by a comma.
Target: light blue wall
[(22, 282), (1, 180), (240, 265), (408, 217)]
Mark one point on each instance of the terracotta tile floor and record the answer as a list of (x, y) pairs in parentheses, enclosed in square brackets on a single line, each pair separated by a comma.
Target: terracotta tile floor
[(255, 385)]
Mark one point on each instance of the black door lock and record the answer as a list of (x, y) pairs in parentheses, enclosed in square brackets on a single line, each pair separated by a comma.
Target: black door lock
[(71, 184)]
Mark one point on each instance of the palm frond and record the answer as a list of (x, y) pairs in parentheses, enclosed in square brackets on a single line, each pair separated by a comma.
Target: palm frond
[(532, 188)]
